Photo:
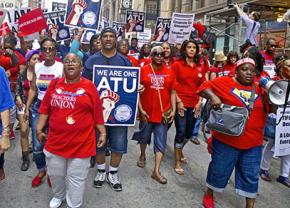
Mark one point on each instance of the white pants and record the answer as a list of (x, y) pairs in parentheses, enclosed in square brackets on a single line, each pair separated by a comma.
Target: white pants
[(71, 171), (267, 157)]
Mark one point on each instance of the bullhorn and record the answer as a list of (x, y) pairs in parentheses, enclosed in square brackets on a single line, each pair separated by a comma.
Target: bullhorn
[(276, 90)]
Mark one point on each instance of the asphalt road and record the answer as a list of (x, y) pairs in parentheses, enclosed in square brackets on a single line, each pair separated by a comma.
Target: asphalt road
[(139, 190)]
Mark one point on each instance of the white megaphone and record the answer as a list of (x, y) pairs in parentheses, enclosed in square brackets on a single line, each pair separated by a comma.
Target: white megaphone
[(276, 90)]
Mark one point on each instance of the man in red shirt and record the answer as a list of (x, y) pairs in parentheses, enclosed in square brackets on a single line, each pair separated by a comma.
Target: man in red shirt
[(268, 55)]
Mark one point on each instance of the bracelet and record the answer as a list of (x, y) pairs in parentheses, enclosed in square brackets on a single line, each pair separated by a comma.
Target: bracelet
[(6, 129), (103, 134)]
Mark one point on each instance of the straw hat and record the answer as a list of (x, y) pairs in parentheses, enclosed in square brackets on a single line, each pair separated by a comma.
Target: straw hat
[(219, 56)]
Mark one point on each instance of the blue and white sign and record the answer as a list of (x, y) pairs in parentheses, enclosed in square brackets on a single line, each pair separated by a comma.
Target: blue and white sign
[(118, 90), (120, 29), (56, 28), (57, 6), (161, 33), (83, 13), (87, 36)]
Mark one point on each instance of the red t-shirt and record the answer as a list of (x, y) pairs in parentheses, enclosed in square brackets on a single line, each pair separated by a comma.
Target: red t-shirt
[(165, 82), (188, 80), (144, 61), (133, 61), (269, 65), (74, 110), (229, 69), (232, 93)]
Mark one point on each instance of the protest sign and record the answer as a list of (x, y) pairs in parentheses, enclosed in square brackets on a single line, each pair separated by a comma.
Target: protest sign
[(120, 29), (282, 134), (4, 29), (7, 4), (162, 28), (13, 16), (56, 28), (180, 27), (135, 21), (83, 13), (87, 35), (118, 88), (57, 6), (31, 22), (144, 37), (3, 13)]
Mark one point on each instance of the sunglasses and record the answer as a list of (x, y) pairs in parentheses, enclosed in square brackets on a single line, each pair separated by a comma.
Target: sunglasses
[(48, 49), (73, 62), (158, 54)]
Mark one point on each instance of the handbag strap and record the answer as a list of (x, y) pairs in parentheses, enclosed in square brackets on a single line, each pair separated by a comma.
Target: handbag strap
[(159, 94), (252, 99), (254, 25)]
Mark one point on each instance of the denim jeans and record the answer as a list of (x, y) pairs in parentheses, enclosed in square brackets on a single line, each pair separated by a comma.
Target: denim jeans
[(184, 127), (245, 162), (38, 155)]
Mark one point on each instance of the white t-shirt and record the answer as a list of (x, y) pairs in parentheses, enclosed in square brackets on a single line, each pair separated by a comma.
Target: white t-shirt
[(44, 74)]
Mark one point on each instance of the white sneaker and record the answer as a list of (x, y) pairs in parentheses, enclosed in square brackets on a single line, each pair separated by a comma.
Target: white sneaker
[(55, 202), (114, 181), (100, 178)]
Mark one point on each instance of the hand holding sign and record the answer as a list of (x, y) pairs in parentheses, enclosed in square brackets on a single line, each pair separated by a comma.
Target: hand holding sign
[(109, 98), (78, 7)]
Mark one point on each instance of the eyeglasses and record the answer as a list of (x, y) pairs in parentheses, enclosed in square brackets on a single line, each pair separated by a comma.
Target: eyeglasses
[(158, 54), (73, 62), (48, 49)]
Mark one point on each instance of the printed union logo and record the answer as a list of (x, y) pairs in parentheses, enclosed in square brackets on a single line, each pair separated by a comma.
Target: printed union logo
[(89, 18), (220, 122), (62, 33), (123, 113)]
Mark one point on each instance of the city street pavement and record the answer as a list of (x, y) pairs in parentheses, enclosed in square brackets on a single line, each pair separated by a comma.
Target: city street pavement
[(139, 190)]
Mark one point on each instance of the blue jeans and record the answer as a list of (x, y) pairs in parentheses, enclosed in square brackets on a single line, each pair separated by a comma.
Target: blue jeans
[(159, 130), (196, 128), (38, 155), (245, 162), (117, 140), (184, 127)]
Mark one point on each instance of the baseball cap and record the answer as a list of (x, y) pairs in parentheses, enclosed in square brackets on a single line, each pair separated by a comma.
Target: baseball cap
[(108, 29)]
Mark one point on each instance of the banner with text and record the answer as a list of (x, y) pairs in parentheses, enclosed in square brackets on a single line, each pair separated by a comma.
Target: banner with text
[(118, 89), (87, 35), (162, 28), (144, 37), (83, 13), (31, 22), (56, 28), (282, 135), (135, 21), (120, 29), (180, 27), (13, 16)]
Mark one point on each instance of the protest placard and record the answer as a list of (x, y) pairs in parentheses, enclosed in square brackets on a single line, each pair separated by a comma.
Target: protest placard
[(3, 13), (83, 13), (162, 28), (87, 35), (13, 16), (31, 22), (4, 29), (118, 88), (180, 27), (144, 37), (135, 21), (56, 28), (282, 134), (120, 29), (57, 6)]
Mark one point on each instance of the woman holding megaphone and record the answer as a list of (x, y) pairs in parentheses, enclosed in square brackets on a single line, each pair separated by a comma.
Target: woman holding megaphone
[(283, 72)]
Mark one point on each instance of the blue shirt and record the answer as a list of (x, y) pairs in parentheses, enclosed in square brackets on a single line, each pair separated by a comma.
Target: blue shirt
[(99, 59), (250, 27), (6, 100)]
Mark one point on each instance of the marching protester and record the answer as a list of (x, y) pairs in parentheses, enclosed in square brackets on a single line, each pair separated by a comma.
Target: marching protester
[(217, 70), (68, 102), (134, 46), (268, 55), (190, 74), (168, 54), (45, 72), (230, 65), (242, 153), (283, 72), (157, 108), (123, 48), (23, 82), (6, 103), (144, 55), (116, 135)]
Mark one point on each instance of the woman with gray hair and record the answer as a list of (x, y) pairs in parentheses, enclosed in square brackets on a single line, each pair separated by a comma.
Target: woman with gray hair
[(157, 109)]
